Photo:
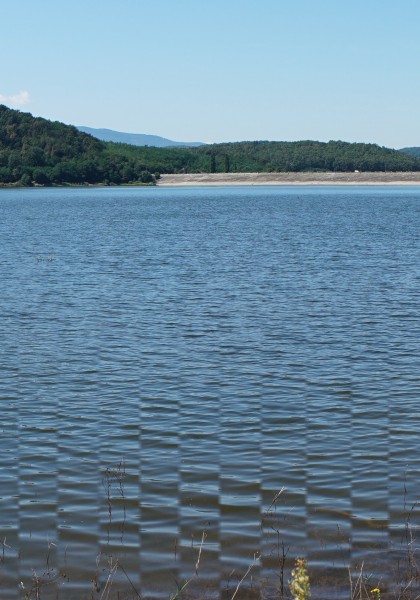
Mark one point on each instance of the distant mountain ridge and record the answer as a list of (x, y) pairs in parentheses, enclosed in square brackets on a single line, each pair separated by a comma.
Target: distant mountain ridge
[(134, 139), (412, 151)]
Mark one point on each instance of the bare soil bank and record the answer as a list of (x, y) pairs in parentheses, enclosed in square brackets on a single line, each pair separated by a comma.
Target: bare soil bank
[(377, 178)]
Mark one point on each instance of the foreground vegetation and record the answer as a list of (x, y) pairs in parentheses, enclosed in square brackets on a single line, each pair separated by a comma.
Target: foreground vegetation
[(292, 580), (291, 577), (36, 151)]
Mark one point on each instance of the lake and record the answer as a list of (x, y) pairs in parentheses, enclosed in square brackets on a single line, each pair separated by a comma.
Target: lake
[(229, 374)]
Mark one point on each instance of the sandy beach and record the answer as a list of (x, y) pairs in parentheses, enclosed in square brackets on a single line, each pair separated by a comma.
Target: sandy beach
[(377, 178)]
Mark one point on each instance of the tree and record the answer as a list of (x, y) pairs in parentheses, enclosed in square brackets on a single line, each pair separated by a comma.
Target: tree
[(212, 163), (146, 177), (41, 177), (26, 180)]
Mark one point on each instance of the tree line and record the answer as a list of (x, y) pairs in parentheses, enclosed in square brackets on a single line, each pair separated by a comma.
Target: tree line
[(266, 157), (36, 151)]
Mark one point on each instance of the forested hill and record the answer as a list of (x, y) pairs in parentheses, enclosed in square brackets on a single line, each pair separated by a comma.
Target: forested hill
[(38, 151), (260, 157), (305, 156), (412, 151)]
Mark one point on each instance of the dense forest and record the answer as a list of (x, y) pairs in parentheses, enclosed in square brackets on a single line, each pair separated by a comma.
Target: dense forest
[(304, 156), (38, 151), (35, 151)]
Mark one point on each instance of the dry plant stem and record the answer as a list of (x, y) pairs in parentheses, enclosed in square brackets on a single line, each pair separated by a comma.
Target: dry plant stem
[(351, 585), (251, 566), (36, 585), (130, 582), (48, 557), (274, 501), (282, 564), (197, 565), (408, 575), (4, 546), (359, 587), (114, 474), (410, 542), (108, 583), (281, 557), (360, 591)]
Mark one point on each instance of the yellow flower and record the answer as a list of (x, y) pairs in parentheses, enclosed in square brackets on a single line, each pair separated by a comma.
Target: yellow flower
[(299, 584)]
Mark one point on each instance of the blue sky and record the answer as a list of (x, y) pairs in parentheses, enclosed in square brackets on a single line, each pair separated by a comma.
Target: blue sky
[(218, 70)]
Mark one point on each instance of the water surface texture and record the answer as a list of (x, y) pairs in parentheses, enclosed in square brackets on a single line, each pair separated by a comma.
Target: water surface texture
[(173, 358)]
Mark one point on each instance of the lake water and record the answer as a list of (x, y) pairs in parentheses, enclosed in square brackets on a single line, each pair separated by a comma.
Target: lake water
[(171, 359)]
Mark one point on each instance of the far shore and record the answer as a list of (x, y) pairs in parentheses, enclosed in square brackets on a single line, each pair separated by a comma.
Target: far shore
[(363, 178)]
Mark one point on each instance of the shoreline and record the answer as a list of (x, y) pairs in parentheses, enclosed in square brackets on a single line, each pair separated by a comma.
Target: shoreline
[(374, 178), (330, 178)]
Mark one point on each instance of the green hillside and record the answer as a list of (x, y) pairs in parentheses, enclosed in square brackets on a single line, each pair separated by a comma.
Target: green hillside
[(266, 157), (305, 156), (41, 152)]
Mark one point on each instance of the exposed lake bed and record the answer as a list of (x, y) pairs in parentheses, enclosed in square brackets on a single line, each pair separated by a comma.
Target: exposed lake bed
[(176, 357), (290, 178)]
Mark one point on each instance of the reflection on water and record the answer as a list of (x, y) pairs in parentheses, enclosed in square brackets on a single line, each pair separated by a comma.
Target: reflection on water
[(186, 355)]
